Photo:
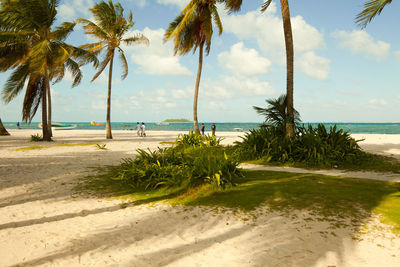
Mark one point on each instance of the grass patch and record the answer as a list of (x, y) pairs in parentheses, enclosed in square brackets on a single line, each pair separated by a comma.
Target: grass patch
[(167, 143), (49, 146), (333, 199)]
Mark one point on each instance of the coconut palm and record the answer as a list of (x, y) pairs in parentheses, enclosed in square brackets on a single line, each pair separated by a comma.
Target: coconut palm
[(3, 130), (371, 9), (110, 27), (36, 53), (275, 113), (193, 29), (234, 5)]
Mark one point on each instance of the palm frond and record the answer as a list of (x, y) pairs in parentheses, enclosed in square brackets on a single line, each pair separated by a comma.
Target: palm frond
[(265, 6), (61, 32), (371, 9), (124, 64), (33, 96), (137, 39), (103, 64), (233, 5), (15, 83)]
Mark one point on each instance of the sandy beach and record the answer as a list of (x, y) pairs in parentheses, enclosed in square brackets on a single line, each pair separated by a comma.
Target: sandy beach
[(43, 222)]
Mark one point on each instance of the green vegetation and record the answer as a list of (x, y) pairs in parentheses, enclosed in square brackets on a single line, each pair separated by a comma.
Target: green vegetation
[(36, 138), (193, 139), (312, 148), (101, 146), (176, 120), (58, 145), (371, 9)]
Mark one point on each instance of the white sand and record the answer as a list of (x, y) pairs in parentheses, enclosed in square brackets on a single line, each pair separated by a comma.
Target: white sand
[(42, 221)]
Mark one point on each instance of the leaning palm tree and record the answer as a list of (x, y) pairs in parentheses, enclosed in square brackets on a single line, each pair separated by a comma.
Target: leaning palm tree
[(276, 113), (193, 29), (36, 53), (371, 9), (234, 5), (110, 27), (3, 130)]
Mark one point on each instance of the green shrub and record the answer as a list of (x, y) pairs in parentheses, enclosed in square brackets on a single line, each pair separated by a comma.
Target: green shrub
[(314, 146), (197, 140), (36, 138), (177, 167)]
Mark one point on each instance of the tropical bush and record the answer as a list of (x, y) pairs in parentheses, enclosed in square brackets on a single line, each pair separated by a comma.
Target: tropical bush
[(36, 138), (197, 140), (181, 166), (313, 146)]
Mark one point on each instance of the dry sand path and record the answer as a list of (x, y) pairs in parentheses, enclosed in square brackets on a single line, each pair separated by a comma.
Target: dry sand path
[(42, 222)]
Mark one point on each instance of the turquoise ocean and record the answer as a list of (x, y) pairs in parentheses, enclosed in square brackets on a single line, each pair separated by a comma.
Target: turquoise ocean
[(367, 128)]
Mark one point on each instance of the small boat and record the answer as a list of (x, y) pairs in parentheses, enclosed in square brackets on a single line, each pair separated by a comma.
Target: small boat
[(93, 123), (59, 126), (238, 129)]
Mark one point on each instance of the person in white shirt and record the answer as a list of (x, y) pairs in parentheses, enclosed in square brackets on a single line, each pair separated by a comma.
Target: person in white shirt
[(143, 130), (138, 129)]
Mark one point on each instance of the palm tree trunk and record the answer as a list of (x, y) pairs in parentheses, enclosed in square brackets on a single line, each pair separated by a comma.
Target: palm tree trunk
[(196, 89), (49, 109), (287, 28), (45, 129), (108, 119), (3, 130)]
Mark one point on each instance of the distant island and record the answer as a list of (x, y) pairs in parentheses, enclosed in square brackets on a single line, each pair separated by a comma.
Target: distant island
[(176, 120)]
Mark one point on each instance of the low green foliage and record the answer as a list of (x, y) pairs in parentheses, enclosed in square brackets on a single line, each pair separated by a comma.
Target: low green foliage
[(181, 166), (197, 140), (312, 147), (101, 146), (36, 138)]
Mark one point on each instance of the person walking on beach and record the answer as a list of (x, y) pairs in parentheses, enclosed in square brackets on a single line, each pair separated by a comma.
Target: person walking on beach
[(138, 129), (213, 128), (18, 126), (143, 130), (202, 129)]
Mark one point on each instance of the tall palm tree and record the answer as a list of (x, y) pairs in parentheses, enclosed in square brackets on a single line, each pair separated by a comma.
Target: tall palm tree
[(36, 53), (371, 9), (110, 27), (3, 130), (193, 29), (275, 113), (234, 5)]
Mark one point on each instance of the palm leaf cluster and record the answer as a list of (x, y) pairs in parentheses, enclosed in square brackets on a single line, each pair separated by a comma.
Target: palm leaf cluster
[(109, 27), (371, 9), (194, 26), (35, 51)]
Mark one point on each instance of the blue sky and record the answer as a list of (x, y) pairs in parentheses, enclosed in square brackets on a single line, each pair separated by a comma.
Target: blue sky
[(342, 73)]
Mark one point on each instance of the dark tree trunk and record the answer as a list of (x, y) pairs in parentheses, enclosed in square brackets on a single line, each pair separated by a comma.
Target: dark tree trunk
[(3, 130), (45, 129), (49, 109), (196, 90), (287, 28), (108, 119)]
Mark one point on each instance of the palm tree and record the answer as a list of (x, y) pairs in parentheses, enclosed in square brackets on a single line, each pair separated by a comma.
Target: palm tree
[(3, 130), (234, 5), (275, 113), (193, 29), (36, 53), (109, 27), (371, 9)]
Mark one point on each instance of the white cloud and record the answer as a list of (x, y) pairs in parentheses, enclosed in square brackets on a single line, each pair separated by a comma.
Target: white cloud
[(157, 58), (242, 61), (359, 41), (397, 54), (232, 87), (180, 94), (267, 30), (179, 3), (139, 3), (377, 102), (314, 66), (71, 9), (213, 105)]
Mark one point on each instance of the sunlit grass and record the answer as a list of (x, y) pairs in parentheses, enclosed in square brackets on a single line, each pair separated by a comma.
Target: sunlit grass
[(328, 198), (58, 145)]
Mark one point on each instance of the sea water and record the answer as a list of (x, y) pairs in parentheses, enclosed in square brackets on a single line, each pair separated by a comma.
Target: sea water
[(368, 128)]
